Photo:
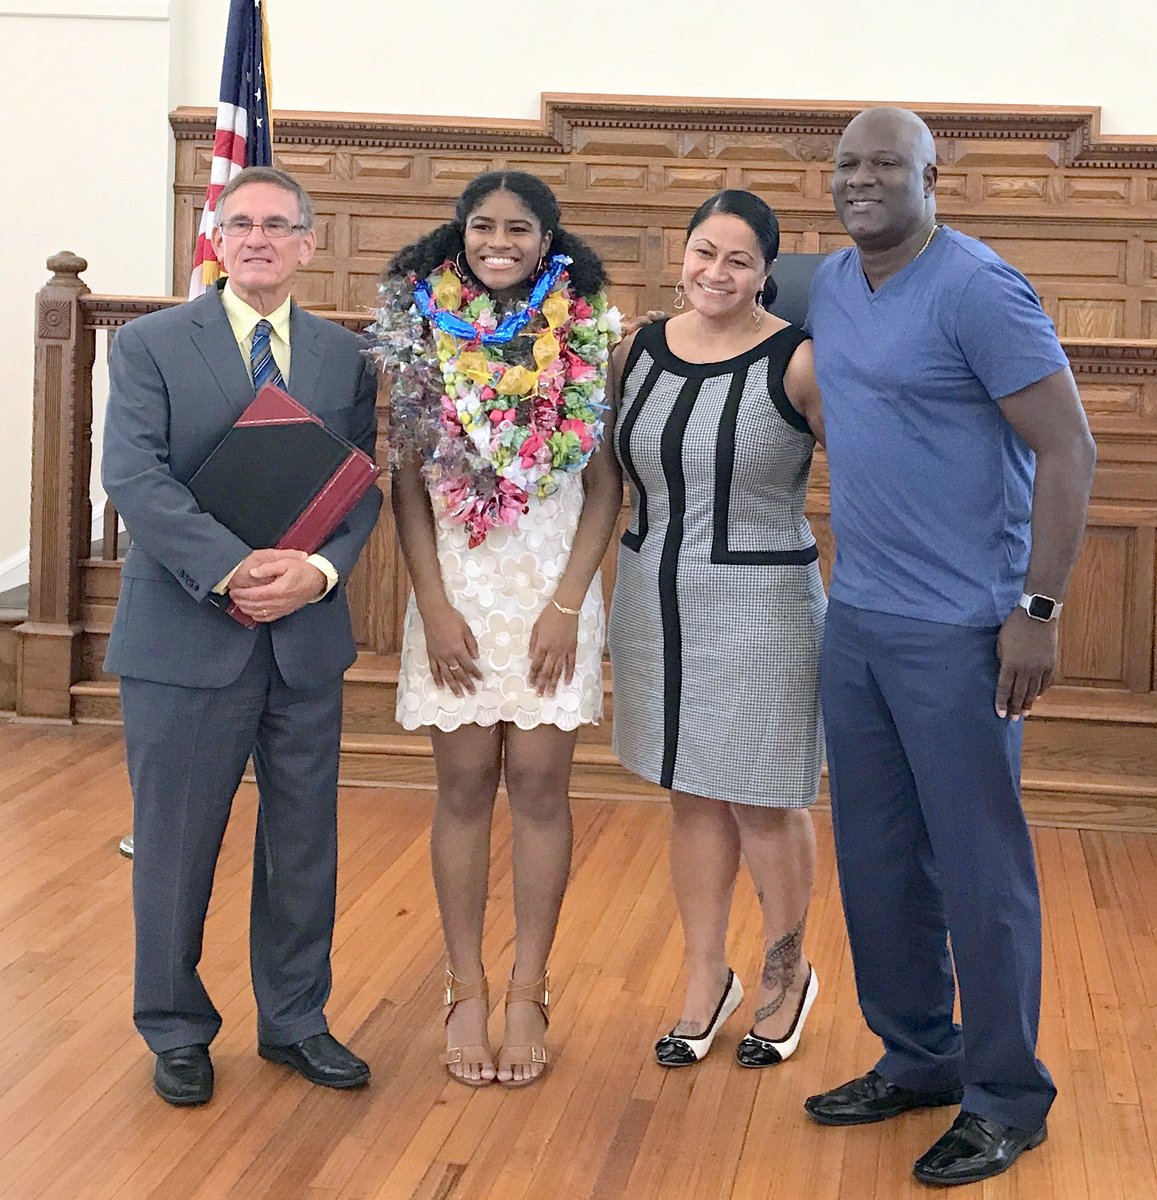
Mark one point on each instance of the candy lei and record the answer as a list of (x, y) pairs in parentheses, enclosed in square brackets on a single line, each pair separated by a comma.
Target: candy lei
[(500, 407)]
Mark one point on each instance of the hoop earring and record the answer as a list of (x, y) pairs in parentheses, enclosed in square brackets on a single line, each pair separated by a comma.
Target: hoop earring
[(541, 260), (680, 295), (757, 313), (459, 266)]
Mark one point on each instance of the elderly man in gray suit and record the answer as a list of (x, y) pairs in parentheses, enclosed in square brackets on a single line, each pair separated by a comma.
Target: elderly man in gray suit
[(200, 692)]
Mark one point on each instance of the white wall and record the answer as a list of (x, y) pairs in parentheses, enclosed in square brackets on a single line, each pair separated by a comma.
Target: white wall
[(86, 100), (85, 103), (375, 56)]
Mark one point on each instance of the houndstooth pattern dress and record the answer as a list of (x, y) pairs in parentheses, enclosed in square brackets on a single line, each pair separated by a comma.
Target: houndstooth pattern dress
[(717, 618)]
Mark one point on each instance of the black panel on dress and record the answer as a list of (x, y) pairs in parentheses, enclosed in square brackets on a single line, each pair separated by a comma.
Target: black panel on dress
[(644, 340), (782, 345)]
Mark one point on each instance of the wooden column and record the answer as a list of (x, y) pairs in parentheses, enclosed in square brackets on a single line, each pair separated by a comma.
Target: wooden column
[(49, 642)]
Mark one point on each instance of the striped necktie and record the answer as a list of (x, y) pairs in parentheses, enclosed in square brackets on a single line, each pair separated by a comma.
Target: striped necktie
[(265, 368)]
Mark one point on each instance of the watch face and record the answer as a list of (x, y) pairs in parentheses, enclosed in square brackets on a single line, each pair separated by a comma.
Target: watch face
[(1041, 607)]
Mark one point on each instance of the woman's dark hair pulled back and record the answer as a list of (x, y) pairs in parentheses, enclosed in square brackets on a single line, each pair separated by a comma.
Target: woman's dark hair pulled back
[(759, 218), (446, 242)]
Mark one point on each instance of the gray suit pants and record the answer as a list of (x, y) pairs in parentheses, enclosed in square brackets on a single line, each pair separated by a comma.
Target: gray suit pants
[(187, 749)]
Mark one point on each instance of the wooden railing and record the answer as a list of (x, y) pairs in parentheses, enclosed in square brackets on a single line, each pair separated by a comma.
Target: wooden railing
[(1094, 732), (68, 320)]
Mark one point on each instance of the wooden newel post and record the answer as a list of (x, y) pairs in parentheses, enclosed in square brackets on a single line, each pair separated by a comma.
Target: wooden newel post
[(49, 642)]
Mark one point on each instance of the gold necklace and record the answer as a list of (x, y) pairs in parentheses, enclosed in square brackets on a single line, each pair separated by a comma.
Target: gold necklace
[(927, 242)]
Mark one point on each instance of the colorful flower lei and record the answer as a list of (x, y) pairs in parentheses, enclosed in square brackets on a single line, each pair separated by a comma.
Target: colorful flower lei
[(502, 406)]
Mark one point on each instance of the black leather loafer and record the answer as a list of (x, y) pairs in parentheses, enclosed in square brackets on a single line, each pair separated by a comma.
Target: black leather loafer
[(872, 1098), (974, 1149), (184, 1076), (321, 1059)]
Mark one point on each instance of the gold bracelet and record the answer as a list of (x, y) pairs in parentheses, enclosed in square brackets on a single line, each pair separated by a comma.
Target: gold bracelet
[(570, 612)]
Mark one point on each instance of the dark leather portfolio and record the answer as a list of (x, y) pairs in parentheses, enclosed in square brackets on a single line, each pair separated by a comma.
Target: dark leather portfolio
[(279, 478)]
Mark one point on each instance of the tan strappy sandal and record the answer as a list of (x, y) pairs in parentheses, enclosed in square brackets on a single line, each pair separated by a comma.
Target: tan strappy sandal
[(526, 1056), (456, 1056)]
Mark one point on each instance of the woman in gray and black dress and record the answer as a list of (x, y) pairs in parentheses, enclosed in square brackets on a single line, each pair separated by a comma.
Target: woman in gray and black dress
[(718, 612)]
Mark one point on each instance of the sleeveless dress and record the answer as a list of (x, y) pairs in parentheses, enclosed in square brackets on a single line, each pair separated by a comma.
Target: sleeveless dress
[(500, 587), (717, 618)]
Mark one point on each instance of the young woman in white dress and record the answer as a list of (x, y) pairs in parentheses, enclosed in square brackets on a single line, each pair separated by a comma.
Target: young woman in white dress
[(494, 334)]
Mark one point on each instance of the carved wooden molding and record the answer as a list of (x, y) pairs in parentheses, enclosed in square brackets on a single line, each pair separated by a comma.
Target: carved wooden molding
[(55, 319), (1076, 131), (1108, 356), (111, 312), (1112, 356)]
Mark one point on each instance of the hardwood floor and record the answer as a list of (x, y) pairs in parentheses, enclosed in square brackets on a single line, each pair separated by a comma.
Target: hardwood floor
[(79, 1120)]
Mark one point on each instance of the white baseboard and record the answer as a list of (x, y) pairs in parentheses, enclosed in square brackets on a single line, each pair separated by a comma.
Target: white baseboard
[(14, 568)]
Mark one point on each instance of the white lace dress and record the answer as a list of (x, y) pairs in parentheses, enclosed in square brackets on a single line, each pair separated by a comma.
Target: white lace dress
[(500, 587)]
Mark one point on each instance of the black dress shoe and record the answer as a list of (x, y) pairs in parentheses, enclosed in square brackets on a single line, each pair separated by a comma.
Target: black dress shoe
[(974, 1149), (184, 1076), (872, 1098), (321, 1059)]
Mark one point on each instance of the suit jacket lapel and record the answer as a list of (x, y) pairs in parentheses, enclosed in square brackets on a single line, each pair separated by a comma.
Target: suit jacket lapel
[(307, 357), (213, 337)]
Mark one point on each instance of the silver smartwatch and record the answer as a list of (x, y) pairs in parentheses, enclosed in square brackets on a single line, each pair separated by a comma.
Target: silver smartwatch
[(1040, 608)]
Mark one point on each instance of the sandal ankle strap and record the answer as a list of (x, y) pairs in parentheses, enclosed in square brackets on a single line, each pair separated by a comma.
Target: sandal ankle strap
[(537, 992), (457, 989)]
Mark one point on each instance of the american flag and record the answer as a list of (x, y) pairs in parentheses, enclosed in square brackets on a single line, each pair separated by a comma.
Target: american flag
[(244, 129)]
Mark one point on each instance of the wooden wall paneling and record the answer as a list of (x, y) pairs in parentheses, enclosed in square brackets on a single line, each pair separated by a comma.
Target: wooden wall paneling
[(1127, 472), (1151, 600), (1103, 643), (1014, 168), (1143, 620), (1108, 634), (1073, 210)]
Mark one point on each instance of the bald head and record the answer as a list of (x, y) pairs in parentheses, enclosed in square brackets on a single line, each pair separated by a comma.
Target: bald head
[(885, 178), (895, 127)]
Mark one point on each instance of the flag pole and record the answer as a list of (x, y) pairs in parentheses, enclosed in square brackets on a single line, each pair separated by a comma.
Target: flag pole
[(267, 72)]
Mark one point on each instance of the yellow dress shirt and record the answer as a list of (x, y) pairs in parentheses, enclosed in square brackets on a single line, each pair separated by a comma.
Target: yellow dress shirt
[(243, 321)]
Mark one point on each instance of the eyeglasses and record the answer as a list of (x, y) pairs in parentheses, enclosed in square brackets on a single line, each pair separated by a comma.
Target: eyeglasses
[(273, 227)]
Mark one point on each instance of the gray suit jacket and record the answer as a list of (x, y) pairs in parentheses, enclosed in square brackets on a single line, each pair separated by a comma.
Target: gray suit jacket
[(177, 383)]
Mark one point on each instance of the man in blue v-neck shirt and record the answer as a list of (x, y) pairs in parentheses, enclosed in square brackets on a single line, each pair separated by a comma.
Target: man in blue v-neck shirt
[(961, 464)]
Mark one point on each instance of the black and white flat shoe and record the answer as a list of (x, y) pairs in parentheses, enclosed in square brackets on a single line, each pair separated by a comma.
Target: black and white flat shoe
[(756, 1051), (675, 1050)]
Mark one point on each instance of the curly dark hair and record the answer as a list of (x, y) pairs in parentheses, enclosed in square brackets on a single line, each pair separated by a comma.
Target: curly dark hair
[(421, 257), (756, 214)]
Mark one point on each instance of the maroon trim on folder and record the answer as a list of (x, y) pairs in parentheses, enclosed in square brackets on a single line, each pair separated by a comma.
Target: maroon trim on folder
[(331, 505), (272, 406), (345, 487), (240, 617)]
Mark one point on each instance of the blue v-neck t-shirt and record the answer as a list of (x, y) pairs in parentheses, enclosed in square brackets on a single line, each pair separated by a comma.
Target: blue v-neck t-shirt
[(931, 488)]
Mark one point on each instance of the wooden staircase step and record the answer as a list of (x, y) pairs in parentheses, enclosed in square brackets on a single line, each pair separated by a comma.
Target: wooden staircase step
[(96, 702), (1078, 770)]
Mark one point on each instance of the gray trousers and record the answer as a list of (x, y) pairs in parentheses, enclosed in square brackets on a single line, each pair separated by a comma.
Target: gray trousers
[(186, 750)]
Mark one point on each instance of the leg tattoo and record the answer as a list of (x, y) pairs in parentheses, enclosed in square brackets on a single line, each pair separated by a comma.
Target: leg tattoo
[(779, 968)]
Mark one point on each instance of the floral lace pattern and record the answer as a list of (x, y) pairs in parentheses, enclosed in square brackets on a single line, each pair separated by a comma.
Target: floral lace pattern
[(500, 586)]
